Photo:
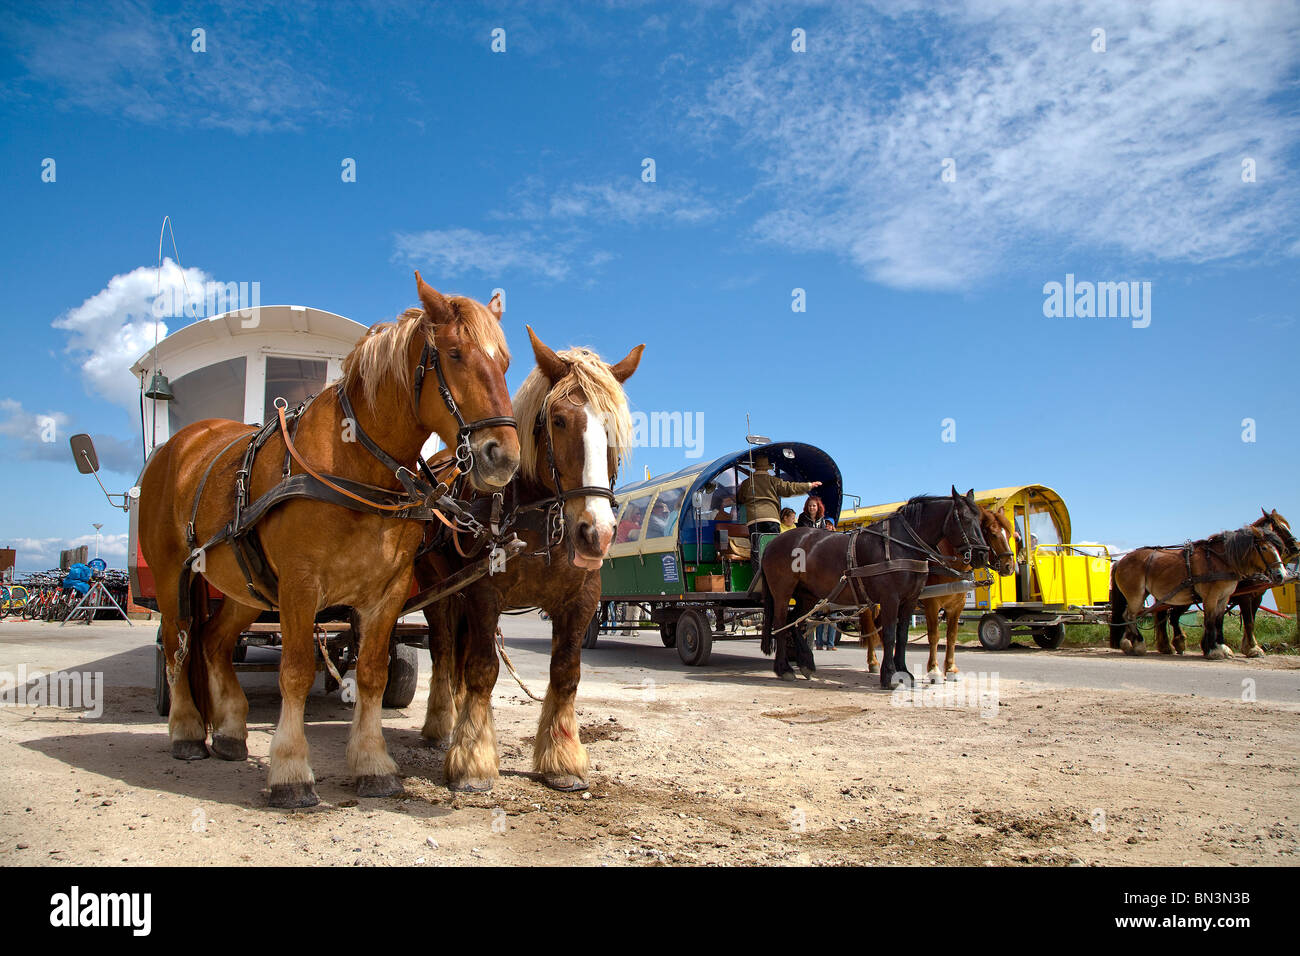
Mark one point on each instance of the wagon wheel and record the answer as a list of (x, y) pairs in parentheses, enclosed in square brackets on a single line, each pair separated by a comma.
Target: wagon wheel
[(403, 675), (592, 634), (1049, 637), (995, 632), (162, 694), (694, 638)]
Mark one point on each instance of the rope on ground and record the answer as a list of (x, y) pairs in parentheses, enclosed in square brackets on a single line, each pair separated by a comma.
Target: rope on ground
[(501, 649)]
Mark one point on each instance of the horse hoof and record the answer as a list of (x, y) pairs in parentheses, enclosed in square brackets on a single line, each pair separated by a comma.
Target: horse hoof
[(379, 785), (471, 785), (873, 668), (437, 743), (1255, 652), (189, 750), (1215, 655), (787, 675), (564, 782), (229, 748), (293, 796), (952, 676), (1139, 649), (806, 672), (1227, 651), (934, 677), (899, 679)]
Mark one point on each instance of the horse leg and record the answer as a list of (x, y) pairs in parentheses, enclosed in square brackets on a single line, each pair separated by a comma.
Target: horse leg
[(185, 725), (1249, 607), (368, 758), (558, 753), (870, 637), (952, 614), (780, 614), (1132, 643), (229, 705), (1162, 636), (292, 782), (932, 636), (472, 762), (440, 715), (1175, 621), (900, 645), (888, 624), (1212, 645)]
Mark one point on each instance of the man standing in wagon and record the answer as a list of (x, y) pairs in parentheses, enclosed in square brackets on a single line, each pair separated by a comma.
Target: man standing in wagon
[(761, 494)]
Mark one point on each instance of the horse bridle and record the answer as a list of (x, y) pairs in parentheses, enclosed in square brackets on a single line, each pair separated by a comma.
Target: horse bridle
[(968, 549), (464, 453)]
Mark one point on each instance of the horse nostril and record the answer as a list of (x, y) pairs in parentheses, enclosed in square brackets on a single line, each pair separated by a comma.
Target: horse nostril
[(492, 451)]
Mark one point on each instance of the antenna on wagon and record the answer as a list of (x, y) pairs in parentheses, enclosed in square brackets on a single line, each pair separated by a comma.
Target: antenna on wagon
[(160, 389)]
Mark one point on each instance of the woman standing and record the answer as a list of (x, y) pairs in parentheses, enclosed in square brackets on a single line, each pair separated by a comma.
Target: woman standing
[(814, 516)]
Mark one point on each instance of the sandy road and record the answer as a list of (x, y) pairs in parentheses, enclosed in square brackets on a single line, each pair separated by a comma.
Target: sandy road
[(1082, 757)]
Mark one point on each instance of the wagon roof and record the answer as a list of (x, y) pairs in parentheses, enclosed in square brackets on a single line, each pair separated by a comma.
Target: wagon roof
[(809, 463)]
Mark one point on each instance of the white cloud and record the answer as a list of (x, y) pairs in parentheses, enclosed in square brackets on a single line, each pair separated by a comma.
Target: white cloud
[(108, 332), (43, 553), (1133, 152), (631, 202)]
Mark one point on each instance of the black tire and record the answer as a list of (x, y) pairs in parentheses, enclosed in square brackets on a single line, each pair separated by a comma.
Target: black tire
[(668, 633), (403, 675), (1049, 637), (995, 632), (241, 651), (162, 694), (592, 634), (694, 638)]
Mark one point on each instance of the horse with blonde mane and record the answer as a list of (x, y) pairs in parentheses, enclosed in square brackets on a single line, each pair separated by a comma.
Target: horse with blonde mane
[(321, 508), (574, 427)]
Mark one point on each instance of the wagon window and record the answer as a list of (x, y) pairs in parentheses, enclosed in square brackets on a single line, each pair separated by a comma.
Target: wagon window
[(664, 513), (1043, 527), (291, 379), (214, 391), (633, 517)]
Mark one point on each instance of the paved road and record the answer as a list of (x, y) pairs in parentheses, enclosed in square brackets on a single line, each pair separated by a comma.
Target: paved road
[(126, 658)]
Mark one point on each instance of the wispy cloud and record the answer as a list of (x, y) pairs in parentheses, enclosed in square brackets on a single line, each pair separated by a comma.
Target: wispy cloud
[(258, 73), (459, 252), (627, 202), (44, 437), (43, 553), (1136, 151)]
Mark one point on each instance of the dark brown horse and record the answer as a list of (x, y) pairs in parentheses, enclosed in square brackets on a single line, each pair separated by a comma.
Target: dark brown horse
[(999, 533), (574, 427), (315, 553), (1207, 570), (886, 563), (1248, 596)]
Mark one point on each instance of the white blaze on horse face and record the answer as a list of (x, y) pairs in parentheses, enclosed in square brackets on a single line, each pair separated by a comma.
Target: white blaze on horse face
[(595, 474)]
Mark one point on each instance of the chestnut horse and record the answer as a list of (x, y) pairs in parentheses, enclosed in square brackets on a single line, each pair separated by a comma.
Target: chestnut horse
[(999, 533), (1206, 570), (314, 553), (885, 563), (573, 428), (1249, 602)]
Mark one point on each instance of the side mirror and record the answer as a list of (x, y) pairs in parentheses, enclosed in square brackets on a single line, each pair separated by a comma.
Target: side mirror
[(83, 452)]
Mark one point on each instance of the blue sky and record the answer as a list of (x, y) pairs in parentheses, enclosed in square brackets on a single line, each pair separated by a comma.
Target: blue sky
[(775, 170)]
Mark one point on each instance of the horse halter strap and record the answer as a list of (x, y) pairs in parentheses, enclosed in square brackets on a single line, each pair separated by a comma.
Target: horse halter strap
[(464, 454)]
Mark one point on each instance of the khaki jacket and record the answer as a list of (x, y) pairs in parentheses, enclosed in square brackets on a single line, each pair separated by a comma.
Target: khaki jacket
[(761, 495)]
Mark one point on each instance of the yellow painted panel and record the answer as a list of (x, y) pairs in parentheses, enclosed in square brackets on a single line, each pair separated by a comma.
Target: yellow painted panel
[(1285, 598), (1047, 568), (1075, 579)]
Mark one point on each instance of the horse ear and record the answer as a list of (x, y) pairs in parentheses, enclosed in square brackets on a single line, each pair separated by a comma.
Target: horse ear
[(1263, 512), (436, 306), (496, 306), (954, 492), (970, 496), (552, 366), (624, 369)]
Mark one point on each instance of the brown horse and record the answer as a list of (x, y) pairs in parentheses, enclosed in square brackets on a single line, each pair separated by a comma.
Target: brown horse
[(999, 533), (574, 427), (885, 563), (1207, 570), (314, 553), (1249, 602)]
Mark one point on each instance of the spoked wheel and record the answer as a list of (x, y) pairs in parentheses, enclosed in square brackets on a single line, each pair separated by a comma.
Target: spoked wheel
[(694, 638), (1049, 637), (995, 632)]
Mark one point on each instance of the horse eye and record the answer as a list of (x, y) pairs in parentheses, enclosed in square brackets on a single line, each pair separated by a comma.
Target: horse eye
[(454, 355), (558, 423)]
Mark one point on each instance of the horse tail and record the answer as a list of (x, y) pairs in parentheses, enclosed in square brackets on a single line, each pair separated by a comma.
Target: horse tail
[(769, 610), (196, 662), (1118, 610)]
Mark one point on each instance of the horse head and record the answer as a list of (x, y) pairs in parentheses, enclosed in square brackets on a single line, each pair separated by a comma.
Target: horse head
[(999, 533), (577, 427), (1253, 550), (459, 386), (1274, 522), (962, 529)]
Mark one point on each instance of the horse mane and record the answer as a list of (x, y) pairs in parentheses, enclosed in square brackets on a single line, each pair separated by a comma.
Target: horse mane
[(1238, 544), (912, 506), (381, 351), (589, 374)]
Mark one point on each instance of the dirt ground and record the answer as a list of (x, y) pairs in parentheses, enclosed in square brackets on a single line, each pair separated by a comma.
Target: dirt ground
[(718, 765)]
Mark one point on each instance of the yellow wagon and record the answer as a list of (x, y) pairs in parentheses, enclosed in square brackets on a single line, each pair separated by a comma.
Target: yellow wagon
[(1057, 581)]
